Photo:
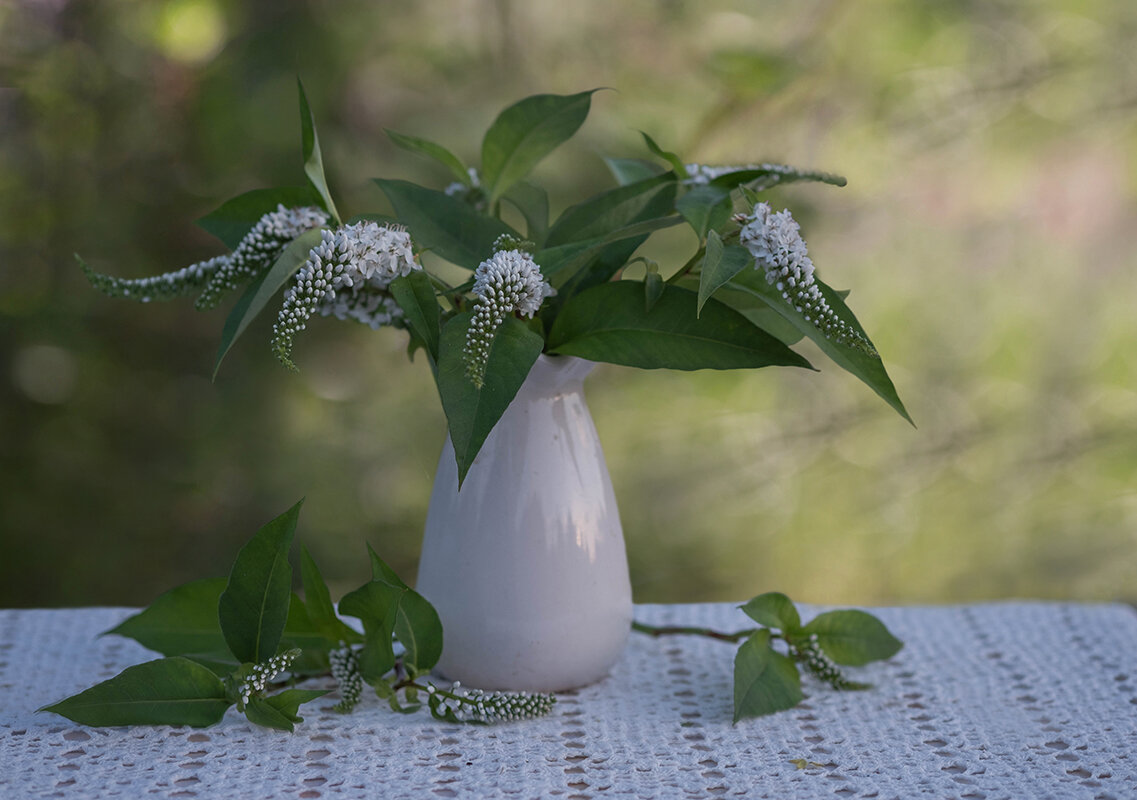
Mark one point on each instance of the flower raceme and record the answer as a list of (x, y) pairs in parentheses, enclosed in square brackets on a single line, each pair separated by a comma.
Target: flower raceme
[(346, 276), (255, 253), (774, 240), (509, 281)]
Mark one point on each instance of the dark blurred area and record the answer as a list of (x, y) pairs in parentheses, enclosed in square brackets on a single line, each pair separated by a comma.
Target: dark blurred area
[(987, 232)]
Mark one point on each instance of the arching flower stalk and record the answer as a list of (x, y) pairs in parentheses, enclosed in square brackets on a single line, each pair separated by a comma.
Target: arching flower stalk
[(509, 282), (476, 706), (774, 240), (256, 252), (346, 276)]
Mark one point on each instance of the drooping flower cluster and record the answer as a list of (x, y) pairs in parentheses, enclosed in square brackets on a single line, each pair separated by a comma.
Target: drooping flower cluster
[(254, 253), (821, 665), (263, 674), (508, 282), (346, 276), (349, 680), (774, 240), (259, 249), (474, 705), (701, 174)]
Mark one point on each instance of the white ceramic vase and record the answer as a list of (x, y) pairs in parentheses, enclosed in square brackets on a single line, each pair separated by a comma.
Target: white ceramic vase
[(526, 564)]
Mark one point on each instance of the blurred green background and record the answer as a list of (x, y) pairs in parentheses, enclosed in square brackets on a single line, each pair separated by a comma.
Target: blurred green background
[(988, 231)]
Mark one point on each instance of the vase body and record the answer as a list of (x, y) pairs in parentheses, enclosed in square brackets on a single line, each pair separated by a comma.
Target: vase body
[(526, 564)]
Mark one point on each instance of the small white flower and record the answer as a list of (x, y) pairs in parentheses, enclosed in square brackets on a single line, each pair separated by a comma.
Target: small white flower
[(508, 282), (346, 276), (774, 240)]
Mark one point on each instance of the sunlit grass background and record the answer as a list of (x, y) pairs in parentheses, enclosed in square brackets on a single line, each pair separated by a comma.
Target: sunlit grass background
[(988, 233)]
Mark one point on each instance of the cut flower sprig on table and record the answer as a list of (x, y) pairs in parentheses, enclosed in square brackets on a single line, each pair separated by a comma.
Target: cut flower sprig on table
[(533, 285)]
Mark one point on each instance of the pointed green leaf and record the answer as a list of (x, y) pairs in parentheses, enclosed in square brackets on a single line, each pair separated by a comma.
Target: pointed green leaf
[(317, 598), (415, 296), (720, 265), (864, 366), (417, 624), (631, 170), (302, 631), (235, 218), (280, 710), (443, 224), (608, 323), (169, 691), (653, 290), (764, 681), (610, 210), (313, 160), (263, 289), (431, 150), (183, 620), (774, 610), (853, 637), (766, 176), (533, 203), (705, 208), (382, 571), (254, 606), (675, 161), (525, 133), (472, 412), (376, 605)]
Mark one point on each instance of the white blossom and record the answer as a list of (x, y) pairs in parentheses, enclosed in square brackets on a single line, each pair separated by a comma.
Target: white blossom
[(259, 249), (774, 240), (475, 705), (346, 276), (263, 674), (508, 282), (349, 681)]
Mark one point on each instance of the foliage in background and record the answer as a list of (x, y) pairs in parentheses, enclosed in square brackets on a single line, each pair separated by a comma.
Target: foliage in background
[(990, 152)]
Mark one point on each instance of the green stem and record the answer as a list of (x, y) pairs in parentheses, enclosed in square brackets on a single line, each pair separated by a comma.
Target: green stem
[(690, 630)]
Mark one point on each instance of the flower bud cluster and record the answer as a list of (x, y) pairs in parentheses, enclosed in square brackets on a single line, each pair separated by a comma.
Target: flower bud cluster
[(263, 674), (774, 240), (349, 680), (157, 287), (508, 282), (702, 174), (475, 705), (259, 249), (346, 276), (821, 665)]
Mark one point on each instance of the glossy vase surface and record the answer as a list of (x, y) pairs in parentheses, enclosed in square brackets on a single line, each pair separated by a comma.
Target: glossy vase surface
[(526, 564)]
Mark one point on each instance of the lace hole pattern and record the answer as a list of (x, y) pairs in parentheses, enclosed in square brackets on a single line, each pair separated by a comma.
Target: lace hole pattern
[(987, 701)]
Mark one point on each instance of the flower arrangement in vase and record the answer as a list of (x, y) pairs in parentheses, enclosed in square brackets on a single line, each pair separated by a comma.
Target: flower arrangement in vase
[(524, 557)]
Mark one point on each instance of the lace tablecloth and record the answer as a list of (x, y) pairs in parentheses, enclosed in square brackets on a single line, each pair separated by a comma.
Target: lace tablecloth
[(1017, 700)]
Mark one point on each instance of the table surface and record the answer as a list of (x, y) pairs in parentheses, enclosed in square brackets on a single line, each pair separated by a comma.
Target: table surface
[(1011, 700)]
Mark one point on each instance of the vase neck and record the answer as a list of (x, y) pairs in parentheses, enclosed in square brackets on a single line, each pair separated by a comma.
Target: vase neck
[(556, 374)]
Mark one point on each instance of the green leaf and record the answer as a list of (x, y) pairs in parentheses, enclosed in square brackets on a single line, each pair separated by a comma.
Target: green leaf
[(444, 224), (608, 211), (705, 208), (853, 637), (774, 610), (169, 691), (533, 203), (653, 290), (720, 265), (431, 150), (376, 605), (608, 323), (313, 160), (415, 296), (280, 711), (417, 624), (234, 219), (864, 366), (675, 161), (254, 606), (769, 175), (472, 412), (181, 621), (302, 631), (263, 289), (317, 598), (764, 681), (631, 170), (525, 133)]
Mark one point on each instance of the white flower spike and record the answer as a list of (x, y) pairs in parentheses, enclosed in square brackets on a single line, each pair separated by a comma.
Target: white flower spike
[(346, 276), (774, 240), (508, 282)]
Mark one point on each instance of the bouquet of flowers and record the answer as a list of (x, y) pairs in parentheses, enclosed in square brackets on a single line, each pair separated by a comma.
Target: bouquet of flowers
[(534, 285)]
